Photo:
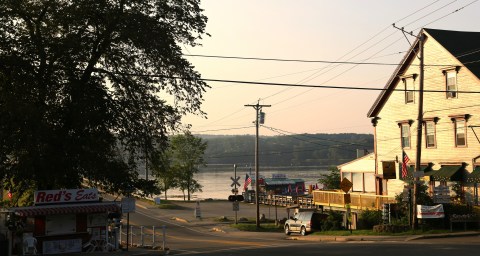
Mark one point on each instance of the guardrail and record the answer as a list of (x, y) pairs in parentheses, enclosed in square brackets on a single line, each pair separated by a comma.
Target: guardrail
[(143, 236), (359, 201)]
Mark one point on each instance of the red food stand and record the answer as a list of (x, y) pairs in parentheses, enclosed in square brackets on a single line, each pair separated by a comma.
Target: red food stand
[(65, 221)]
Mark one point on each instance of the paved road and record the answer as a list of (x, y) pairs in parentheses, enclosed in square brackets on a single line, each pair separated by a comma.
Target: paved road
[(187, 234)]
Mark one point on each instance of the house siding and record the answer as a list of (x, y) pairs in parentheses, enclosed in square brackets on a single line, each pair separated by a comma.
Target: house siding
[(436, 104)]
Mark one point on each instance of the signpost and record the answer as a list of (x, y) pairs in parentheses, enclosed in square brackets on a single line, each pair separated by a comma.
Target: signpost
[(128, 206), (197, 211), (235, 198), (346, 185)]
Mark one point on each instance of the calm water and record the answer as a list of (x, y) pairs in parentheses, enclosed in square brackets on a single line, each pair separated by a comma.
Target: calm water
[(216, 181)]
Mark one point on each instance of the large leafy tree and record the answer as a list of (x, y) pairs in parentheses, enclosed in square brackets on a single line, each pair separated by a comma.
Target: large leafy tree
[(77, 77), (165, 173), (330, 180), (187, 152)]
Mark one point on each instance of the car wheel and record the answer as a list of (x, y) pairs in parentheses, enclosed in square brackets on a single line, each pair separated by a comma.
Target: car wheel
[(303, 231), (287, 230)]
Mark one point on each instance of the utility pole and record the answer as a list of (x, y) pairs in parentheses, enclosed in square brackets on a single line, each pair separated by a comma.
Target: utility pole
[(258, 109), (421, 41)]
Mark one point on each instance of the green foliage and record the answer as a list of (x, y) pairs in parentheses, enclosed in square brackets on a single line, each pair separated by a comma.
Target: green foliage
[(459, 197), (423, 199), (252, 227), (164, 172), (186, 153), (286, 150), (369, 218), (331, 180), (333, 221), (79, 77)]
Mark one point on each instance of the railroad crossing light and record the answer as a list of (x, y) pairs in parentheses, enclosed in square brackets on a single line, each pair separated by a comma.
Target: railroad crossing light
[(233, 198)]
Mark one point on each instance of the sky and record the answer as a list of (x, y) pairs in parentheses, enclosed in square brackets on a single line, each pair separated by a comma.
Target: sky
[(346, 31)]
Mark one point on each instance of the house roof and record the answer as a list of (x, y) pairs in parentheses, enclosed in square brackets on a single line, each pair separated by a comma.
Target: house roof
[(464, 46), (363, 164)]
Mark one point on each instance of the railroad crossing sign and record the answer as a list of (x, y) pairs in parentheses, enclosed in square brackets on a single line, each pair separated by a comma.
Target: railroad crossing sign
[(235, 181), (346, 185)]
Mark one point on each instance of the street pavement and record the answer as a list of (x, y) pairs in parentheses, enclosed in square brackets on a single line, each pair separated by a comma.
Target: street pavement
[(204, 216)]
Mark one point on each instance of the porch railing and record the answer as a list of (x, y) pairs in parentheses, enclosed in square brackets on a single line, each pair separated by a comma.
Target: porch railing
[(359, 201)]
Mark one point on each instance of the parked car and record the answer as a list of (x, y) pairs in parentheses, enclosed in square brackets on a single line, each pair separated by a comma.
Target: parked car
[(304, 222)]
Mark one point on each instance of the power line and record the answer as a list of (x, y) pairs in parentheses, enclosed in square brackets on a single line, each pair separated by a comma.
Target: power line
[(309, 61), (321, 86), (226, 129)]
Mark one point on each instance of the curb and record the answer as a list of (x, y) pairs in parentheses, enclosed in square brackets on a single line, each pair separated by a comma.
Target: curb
[(380, 238)]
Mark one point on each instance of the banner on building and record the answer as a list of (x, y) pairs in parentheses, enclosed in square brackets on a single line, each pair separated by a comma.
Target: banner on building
[(430, 212)]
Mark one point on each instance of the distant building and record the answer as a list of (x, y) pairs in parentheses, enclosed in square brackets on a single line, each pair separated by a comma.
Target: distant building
[(279, 184)]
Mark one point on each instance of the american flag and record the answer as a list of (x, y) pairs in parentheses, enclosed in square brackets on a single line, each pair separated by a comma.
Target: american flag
[(404, 164), (248, 180)]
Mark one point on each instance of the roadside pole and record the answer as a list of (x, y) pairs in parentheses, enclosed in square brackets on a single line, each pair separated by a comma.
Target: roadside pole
[(258, 111), (235, 189)]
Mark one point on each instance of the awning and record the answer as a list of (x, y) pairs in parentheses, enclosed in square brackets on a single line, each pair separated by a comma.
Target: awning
[(66, 209), (449, 173), (279, 182), (474, 176)]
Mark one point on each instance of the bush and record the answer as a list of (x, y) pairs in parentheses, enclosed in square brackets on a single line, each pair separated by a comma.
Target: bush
[(333, 221), (369, 218)]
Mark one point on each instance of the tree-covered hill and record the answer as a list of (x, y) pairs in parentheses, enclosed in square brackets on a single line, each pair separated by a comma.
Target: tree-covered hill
[(290, 150)]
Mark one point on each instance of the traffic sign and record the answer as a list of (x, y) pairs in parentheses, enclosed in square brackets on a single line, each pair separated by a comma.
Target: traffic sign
[(128, 204), (346, 185), (235, 181), (236, 206)]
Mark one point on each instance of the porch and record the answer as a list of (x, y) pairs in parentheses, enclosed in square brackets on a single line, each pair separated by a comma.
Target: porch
[(359, 201)]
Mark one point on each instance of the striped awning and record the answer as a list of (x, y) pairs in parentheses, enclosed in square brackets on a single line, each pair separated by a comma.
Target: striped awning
[(474, 176), (44, 210)]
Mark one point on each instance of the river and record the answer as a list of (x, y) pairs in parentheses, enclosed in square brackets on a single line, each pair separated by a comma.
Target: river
[(216, 181)]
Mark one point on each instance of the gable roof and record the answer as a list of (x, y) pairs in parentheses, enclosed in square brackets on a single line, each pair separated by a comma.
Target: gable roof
[(464, 46)]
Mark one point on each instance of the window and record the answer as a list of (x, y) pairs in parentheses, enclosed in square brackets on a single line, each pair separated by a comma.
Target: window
[(430, 134), (357, 180), (451, 82), (369, 182), (405, 135), (460, 133), (409, 89)]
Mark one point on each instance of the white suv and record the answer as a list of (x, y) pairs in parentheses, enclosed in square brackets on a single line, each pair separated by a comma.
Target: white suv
[(304, 222)]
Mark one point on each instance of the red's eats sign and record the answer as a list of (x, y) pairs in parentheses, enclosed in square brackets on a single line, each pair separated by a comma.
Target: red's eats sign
[(65, 196)]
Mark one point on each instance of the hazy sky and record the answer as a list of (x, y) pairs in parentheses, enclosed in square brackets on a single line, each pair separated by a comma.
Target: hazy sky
[(340, 30)]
